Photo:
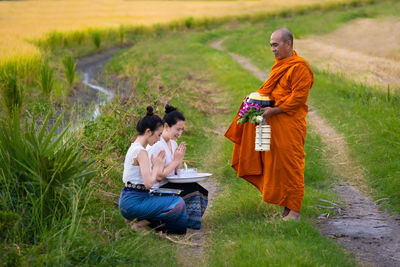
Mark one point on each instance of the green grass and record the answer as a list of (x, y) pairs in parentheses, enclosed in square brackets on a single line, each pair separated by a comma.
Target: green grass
[(369, 120), (11, 89), (46, 80), (44, 191), (96, 38), (248, 232), (69, 68)]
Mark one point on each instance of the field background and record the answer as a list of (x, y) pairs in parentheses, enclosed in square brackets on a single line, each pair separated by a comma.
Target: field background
[(22, 21)]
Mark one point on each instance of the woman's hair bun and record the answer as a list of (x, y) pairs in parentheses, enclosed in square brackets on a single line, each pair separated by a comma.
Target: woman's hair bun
[(169, 109), (149, 111)]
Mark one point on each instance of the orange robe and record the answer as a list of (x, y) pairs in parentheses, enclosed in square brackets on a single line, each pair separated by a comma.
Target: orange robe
[(278, 173)]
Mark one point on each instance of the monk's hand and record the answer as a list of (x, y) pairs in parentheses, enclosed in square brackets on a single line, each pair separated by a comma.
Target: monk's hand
[(268, 111), (245, 100)]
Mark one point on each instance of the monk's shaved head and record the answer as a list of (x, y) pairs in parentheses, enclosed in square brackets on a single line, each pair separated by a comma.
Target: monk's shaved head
[(280, 45), (285, 34)]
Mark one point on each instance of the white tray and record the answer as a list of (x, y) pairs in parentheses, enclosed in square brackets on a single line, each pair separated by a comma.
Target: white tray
[(197, 177)]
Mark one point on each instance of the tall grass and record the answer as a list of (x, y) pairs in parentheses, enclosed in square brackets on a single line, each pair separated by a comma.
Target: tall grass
[(121, 34), (96, 38), (12, 91), (40, 174), (46, 81), (69, 68), (371, 126)]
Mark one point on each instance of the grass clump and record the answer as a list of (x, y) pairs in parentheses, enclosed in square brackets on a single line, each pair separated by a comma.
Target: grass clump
[(121, 35), (96, 38), (43, 176), (12, 91), (46, 81), (69, 68)]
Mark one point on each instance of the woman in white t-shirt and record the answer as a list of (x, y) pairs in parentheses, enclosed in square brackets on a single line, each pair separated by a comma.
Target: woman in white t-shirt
[(141, 172), (194, 195)]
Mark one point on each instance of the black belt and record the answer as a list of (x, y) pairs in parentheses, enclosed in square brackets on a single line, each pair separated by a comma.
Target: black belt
[(139, 187)]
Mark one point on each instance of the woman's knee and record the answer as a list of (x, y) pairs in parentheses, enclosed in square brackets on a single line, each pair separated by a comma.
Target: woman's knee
[(180, 205)]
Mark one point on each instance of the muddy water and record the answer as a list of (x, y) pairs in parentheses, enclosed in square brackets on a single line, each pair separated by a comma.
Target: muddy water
[(90, 67)]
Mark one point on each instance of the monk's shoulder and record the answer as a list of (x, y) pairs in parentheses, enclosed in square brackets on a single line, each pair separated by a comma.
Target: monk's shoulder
[(302, 68)]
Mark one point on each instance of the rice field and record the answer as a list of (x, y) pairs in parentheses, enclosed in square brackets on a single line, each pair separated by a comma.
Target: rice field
[(366, 50), (23, 21)]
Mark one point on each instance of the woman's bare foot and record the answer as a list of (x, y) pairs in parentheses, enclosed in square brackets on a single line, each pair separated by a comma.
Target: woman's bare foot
[(285, 212), (138, 226), (292, 215)]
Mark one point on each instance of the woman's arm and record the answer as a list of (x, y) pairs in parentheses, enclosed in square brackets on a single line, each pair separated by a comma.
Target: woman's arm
[(150, 176)]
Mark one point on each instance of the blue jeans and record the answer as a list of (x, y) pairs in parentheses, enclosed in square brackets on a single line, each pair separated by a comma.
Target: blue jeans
[(166, 213)]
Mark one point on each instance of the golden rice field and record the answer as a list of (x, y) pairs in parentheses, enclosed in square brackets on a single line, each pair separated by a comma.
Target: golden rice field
[(21, 21)]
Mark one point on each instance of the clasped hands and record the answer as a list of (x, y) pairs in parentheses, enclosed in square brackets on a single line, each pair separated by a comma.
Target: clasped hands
[(158, 161)]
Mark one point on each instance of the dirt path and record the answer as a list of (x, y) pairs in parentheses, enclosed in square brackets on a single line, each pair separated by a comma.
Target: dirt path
[(193, 256), (371, 234), (242, 61)]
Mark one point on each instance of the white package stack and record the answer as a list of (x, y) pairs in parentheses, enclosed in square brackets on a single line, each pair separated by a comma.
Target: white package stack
[(263, 137)]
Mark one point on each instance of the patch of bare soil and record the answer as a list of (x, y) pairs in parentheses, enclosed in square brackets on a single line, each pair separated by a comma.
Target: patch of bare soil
[(371, 234), (242, 61), (204, 94), (365, 50), (193, 256), (205, 97)]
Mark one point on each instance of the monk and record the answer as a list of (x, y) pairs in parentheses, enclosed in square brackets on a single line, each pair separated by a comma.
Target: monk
[(278, 173)]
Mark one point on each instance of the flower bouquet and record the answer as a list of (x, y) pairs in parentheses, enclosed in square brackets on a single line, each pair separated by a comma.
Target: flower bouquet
[(250, 112)]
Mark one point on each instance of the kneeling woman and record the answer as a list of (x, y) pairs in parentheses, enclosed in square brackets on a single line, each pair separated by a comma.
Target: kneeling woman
[(167, 213), (194, 195)]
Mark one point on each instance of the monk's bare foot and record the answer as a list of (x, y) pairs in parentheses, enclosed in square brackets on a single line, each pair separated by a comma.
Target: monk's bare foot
[(285, 212), (140, 226), (292, 215)]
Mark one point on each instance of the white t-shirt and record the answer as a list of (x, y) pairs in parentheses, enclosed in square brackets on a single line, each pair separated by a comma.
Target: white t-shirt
[(132, 173), (169, 156)]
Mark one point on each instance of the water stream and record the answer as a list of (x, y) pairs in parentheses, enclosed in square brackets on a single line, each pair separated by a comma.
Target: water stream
[(91, 67)]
